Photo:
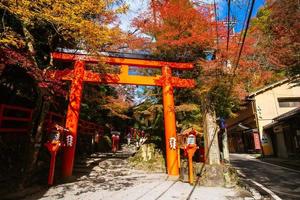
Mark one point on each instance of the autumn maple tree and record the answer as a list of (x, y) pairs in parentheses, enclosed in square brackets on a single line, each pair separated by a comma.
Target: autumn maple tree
[(184, 31), (30, 30), (177, 30), (276, 29)]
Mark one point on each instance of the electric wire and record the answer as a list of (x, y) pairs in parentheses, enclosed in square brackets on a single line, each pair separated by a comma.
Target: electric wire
[(241, 47), (216, 21), (244, 36), (244, 21), (228, 23)]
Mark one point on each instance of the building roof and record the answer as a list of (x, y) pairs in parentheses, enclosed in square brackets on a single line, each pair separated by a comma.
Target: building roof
[(139, 55), (287, 114), (283, 117), (108, 53), (268, 87)]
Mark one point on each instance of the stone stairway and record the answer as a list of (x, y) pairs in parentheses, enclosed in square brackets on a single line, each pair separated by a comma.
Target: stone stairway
[(85, 167)]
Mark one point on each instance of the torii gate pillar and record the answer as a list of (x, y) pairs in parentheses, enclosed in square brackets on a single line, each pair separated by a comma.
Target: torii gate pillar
[(72, 118), (79, 75), (170, 124)]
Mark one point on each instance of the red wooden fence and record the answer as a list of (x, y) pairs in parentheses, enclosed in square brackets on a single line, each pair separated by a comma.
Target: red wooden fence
[(15, 119), (85, 127), (18, 119)]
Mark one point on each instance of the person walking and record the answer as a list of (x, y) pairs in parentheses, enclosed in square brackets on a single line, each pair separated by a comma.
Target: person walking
[(137, 139), (128, 136), (113, 141), (117, 140)]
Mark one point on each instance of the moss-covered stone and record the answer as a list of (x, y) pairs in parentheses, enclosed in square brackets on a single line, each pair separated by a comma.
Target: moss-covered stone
[(210, 175), (218, 175), (148, 158)]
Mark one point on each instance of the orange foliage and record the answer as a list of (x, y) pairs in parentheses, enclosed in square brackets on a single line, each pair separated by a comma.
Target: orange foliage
[(174, 24), (277, 33), (179, 28)]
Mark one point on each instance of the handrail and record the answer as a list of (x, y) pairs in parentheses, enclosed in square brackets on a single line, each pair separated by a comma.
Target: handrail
[(5, 119), (84, 127)]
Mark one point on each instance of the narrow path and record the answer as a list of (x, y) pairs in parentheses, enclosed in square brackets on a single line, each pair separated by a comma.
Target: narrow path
[(110, 177), (283, 182)]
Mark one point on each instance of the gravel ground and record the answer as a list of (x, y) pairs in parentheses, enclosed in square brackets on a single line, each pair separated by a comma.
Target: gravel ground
[(113, 179)]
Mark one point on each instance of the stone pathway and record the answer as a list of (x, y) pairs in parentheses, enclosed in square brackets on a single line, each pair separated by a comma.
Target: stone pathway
[(111, 178)]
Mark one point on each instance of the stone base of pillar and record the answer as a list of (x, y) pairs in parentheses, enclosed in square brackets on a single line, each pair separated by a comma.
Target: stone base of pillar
[(173, 178)]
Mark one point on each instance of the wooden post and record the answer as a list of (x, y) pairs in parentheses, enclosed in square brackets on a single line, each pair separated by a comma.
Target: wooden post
[(72, 119), (169, 121), (1, 114), (191, 149), (52, 168)]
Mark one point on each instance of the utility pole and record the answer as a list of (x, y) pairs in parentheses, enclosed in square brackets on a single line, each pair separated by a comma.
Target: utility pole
[(154, 11)]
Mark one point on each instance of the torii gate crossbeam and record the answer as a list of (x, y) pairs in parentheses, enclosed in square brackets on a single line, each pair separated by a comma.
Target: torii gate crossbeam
[(79, 75)]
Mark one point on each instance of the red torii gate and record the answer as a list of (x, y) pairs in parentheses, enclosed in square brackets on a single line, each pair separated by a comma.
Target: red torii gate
[(79, 75)]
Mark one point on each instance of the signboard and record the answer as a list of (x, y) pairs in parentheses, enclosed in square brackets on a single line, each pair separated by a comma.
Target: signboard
[(69, 140), (256, 141), (172, 143), (264, 140), (191, 139)]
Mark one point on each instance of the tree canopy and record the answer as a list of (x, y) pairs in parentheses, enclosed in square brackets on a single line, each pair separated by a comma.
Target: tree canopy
[(178, 31), (186, 31), (85, 24), (276, 29)]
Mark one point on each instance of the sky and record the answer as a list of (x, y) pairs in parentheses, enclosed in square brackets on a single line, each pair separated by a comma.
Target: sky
[(238, 10), (135, 8)]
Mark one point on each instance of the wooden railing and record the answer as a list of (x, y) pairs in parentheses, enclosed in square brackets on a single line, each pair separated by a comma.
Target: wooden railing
[(15, 119), (18, 119), (84, 127), (89, 128)]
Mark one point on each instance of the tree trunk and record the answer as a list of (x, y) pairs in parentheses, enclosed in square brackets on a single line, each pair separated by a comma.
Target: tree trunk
[(30, 44), (41, 110), (225, 146), (211, 136), (35, 144)]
